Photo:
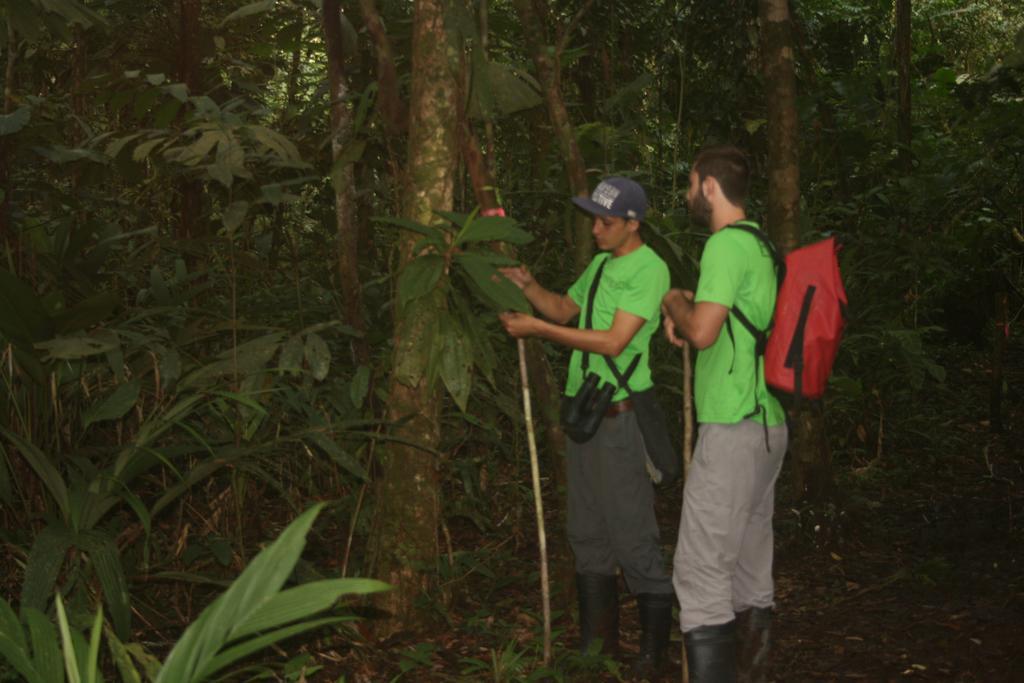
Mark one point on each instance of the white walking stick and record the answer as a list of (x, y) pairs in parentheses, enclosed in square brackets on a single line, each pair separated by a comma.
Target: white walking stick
[(545, 586)]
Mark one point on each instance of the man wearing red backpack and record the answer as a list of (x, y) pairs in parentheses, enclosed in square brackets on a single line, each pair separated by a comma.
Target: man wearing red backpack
[(722, 571)]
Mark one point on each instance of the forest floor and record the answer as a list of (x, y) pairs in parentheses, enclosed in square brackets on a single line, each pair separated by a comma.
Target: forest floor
[(913, 571)]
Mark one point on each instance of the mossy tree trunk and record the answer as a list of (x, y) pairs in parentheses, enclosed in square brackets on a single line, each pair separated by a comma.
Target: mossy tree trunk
[(405, 542)]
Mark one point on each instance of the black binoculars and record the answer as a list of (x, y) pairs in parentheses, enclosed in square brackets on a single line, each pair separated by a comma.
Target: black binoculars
[(582, 413)]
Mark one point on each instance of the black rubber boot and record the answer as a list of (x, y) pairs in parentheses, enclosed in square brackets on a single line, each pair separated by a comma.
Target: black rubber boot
[(655, 624), (753, 643), (599, 611), (711, 653)]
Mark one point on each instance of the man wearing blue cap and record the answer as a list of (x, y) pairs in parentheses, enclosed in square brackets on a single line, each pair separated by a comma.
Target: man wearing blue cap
[(611, 523)]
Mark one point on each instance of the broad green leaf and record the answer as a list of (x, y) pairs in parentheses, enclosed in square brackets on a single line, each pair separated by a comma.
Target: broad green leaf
[(14, 647), (501, 89), (178, 91), (338, 454), (248, 10), (44, 469), (23, 317), (494, 228), (79, 346), (15, 121), (142, 151), (318, 356), (457, 364), (291, 355), (88, 313), (246, 648), (156, 79), (198, 150), (360, 386), (494, 289), (45, 559), (302, 601), (219, 622), (252, 356), (46, 651), (221, 172), (117, 144), (234, 215), (418, 278), (436, 236), (115, 406), (281, 146), (106, 562)]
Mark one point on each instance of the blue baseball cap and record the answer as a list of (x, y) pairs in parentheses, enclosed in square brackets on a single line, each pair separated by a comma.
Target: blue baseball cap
[(615, 196)]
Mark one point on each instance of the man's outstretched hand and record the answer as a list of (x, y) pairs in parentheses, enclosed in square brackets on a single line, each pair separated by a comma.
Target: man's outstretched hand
[(518, 324), (519, 275)]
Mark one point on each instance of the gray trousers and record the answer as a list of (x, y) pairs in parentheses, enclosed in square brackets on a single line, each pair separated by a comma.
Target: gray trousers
[(723, 560), (611, 507)]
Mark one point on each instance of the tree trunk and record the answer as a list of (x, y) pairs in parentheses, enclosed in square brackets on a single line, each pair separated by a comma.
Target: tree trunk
[(343, 176), (546, 61), (8, 240), (903, 129), (190, 199), (811, 457), (389, 104), (408, 488), (783, 144)]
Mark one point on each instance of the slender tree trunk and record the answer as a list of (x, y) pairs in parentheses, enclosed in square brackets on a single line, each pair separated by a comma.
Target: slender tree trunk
[(7, 237), (390, 107), (811, 457), (546, 61), (903, 121), (1000, 334), (189, 191), (783, 143), (343, 176), (408, 497)]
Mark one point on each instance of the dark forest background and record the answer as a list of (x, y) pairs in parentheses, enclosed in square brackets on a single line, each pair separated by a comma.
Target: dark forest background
[(246, 294)]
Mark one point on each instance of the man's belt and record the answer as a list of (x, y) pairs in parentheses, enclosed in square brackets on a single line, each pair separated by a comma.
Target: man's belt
[(619, 407)]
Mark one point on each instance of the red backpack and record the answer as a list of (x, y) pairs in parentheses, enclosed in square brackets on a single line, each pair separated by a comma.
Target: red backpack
[(800, 346)]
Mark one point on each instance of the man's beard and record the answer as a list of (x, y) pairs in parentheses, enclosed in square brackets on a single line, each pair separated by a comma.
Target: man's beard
[(700, 209)]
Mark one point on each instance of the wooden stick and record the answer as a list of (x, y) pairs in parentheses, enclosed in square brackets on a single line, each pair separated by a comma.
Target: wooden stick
[(687, 448), (545, 586), (687, 409)]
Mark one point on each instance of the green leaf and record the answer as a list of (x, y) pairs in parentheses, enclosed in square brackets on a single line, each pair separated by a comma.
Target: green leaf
[(234, 215), (218, 623), (494, 228), (79, 346), (142, 151), (501, 89), (248, 10), (15, 121), (352, 153), (337, 454), (23, 317), (318, 356), (156, 79), (44, 562), (291, 355), (106, 562), (281, 146), (121, 657), (418, 278), (302, 601), (457, 364), (435, 236), (493, 288), (14, 647), (70, 659), (114, 406), (359, 386), (43, 468), (46, 651)]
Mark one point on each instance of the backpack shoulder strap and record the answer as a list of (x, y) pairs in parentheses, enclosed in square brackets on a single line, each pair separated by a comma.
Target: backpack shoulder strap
[(588, 316)]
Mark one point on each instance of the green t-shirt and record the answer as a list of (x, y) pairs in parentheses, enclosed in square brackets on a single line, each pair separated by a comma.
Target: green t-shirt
[(636, 284), (735, 270)]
